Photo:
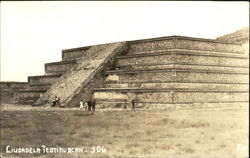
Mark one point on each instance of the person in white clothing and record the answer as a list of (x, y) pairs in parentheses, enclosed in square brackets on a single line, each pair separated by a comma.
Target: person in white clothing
[(81, 105), (86, 106)]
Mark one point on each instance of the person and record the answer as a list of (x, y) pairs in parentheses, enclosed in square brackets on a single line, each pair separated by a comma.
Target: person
[(53, 102), (93, 105), (89, 105), (125, 104), (81, 105), (58, 102), (133, 105), (86, 105)]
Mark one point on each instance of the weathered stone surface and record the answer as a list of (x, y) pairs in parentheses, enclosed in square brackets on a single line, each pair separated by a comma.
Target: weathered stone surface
[(240, 36), (183, 42), (181, 76), (177, 70), (184, 58), (59, 67), (178, 96), (75, 53), (43, 80), (7, 90), (183, 66), (6, 85), (175, 106), (27, 96), (181, 85)]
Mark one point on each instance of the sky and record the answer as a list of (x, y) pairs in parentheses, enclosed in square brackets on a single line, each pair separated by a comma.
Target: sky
[(35, 32)]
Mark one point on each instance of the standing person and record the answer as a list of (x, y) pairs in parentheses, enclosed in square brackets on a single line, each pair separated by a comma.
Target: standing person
[(133, 105), (86, 105), (125, 104), (93, 105), (89, 105), (58, 102), (81, 105)]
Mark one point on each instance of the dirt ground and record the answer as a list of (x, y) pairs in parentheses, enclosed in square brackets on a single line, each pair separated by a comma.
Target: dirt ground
[(181, 133)]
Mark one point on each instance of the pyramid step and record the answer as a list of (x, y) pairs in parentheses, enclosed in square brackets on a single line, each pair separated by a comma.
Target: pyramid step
[(135, 90), (35, 88), (184, 66), (195, 85), (45, 80), (119, 105), (177, 75), (59, 67), (181, 42), (183, 58), (74, 53), (183, 50), (172, 95)]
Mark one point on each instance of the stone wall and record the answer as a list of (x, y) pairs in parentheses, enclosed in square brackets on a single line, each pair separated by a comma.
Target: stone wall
[(25, 97), (8, 88)]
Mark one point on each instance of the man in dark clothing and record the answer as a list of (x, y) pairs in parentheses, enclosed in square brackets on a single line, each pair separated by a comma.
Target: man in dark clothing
[(133, 105), (93, 105), (89, 105)]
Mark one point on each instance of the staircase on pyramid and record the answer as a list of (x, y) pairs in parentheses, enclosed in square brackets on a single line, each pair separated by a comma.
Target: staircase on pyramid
[(155, 73)]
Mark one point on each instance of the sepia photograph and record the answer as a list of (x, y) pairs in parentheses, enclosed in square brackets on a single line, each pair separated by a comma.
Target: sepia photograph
[(124, 79)]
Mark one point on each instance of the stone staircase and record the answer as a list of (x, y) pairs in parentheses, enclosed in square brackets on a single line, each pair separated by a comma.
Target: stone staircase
[(66, 79), (169, 71)]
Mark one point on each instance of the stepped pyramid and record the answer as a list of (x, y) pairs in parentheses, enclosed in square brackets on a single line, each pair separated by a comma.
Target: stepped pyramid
[(156, 73)]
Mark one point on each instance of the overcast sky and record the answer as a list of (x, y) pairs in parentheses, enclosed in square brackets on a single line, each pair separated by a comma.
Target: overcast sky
[(34, 33)]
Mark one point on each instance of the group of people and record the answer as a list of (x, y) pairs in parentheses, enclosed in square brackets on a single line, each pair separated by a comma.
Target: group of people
[(90, 105), (87, 105), (132, 104), (55, 102)]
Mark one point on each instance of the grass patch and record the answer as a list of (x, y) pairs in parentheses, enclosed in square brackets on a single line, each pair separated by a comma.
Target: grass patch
[(128, 134)]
